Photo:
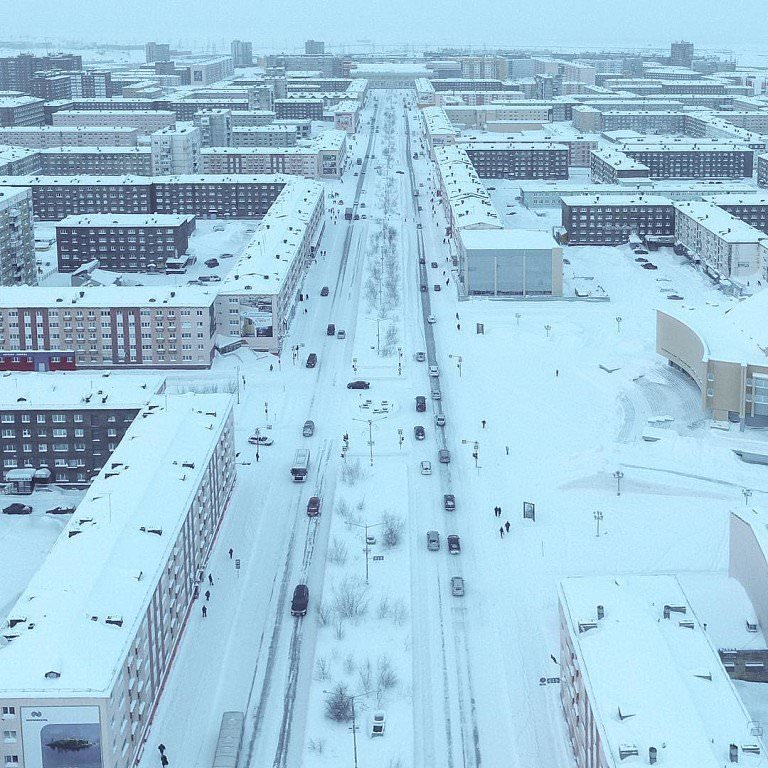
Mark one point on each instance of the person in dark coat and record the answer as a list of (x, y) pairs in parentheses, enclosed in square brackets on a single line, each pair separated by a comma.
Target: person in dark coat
[(210, 579), (231, 552), (501, 531), (163, 760), (207, 595), (161, 747), (506, 525), (205, 611)]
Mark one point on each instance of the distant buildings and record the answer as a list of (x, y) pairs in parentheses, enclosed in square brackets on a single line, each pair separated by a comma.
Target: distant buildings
[(17, 238), (314, 48), (242, 53), (681, 54), (16, 72), (145, 121), (157, 52), (215, 127)]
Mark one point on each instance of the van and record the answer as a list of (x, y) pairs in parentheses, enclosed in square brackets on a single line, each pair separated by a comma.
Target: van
[(421, 404), (311, 360), (300, 600)]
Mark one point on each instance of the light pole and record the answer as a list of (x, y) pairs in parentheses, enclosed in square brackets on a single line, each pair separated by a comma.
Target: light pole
[(370, 432), (598, 517), (366, 526), (258, 435), (354, 364), (459, 361), (618, 474), (377, 320), (354, 722), (266, 411), (517, 317), (618, 324), (547, 328), (475, 451), (399, 361), (747, 493)]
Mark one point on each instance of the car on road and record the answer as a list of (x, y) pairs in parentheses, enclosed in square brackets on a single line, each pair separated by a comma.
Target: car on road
[(431, 320), (454, 545), (436, 394), (313, 506), (260, 440), (457, 586), (675, 297), (330, 330), (324, 291), (400, 172), (370, 540), (423, 288), (359, 385), (422, 260), (421, 403), (60, 511), (440, 419), (426, 467), (209, 279), (309, 428), (226, 255), (419, 226), (419, 432), (641, 260), (420, 357), (444, 455), (211, 263), (640, 251), (449, 502), (341, 334), (649, 266), (433, 541), (300, 600), (17, 509), (433, 370), (311, 360)]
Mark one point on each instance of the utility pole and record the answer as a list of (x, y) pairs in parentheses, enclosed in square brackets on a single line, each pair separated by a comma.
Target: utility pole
[(618, 474), (598, 517)]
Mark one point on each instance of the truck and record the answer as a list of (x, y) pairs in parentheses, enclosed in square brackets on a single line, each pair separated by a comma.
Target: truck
[(348, 214), (300, 467)]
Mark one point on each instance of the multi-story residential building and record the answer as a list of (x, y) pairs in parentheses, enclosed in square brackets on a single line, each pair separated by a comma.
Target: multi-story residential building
[(21, 110), (346, 115), (726, 246), (479, 116), (19, 161), (750, 207), (314, 48), (41, 137), (68, 424), (762, 170), (114, 594), (677, 707), (264, 136), (579, 145), (17, 238), (157, 52), (607, 166), (691, 160), (681, 54), (50, 86), (611, 219), (126, 327), (146, 121), (128, 243), (16, 72), (207, 70), (299, 109), (518, 161), (215, 126), (242, 54), (176, 151), (93, 84), (252, 117), (95, 161), (438, 127)]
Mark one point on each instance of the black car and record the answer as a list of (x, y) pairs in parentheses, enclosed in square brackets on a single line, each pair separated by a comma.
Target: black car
[(60, 511), (421, 404), (449, 502), (324, 291), (330, 330), (649, 266), (311, 360), (211, 263), (359, 385), (454, 547), (313, 506), (17, 509), (300, 600), (419, 433)]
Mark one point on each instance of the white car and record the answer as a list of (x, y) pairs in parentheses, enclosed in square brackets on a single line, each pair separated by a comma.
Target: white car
[(457, 586), (260, 440), (426, 468), (431, 320), (433, 370)]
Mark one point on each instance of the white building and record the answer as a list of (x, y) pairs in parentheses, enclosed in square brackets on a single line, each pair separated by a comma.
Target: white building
[(176, 151), (640, 681), (88, 645)]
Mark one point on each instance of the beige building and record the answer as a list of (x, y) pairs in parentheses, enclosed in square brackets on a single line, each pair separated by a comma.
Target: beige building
[(88, 646), (726, 355)]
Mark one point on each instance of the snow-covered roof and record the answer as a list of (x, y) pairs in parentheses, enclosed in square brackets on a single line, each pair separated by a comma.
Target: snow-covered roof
[(38, 391), (652, 682), (100, 150), (718, 221), (259, 129), (508, 239), (437, 121), (107, 181), (147, 296), (618, 160), (125, 220), (7, 102), (739, 198), (89, 598), (515, 146), (609, 200)]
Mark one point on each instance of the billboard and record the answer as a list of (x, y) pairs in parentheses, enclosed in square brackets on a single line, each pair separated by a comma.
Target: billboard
[(61, 737), (256, 314)]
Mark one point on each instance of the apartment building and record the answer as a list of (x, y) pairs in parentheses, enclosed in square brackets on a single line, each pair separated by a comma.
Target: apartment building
[(242, 53), (205, 71), (611, 219), (762, 170), (95, 161), (215, 126), (145, 121), (676, 707), (176, 151), (19, 161), (16, 72), (725, 245), (45, 136), (479, 116), (128, 243), (17, 238), (438, 127), (685, 160), (518, 161), (264, 136), (68, 424), (90, 642), (299, 109), (157, 52), (252, 117), (124, 327), (749, 207), (346, 115), (21, 110), (608, 166)]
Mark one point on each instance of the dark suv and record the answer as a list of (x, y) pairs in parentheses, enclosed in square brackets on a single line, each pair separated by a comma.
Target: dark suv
[(311, 360), (300, 600), (17, 509), (421, 404), (313, 506)]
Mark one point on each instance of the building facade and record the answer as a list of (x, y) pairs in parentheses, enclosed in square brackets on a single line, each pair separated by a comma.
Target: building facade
[(176, 151), (17, 111), (519, 161), (242, 54), (215, 126), (17, 238)]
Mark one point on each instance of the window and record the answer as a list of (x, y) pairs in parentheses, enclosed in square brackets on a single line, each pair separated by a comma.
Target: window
[(10, 737), (11, 759), (7, 712)]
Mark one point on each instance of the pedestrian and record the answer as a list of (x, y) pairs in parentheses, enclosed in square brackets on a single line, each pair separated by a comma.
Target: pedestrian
[(507, 447), (271, 367), (446, 282), (457, 315), (161, 747), (210, 579), (231, 552), (557, 372), (163, 760), (506, 526), (257, 456), (205, 611), (207, 595), (501, 532), (458, 326), (499, 511), (243, 380), (483, 422)]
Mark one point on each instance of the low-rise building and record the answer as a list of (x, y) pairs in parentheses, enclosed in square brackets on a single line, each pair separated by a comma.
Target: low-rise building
[(607, 166), (90, 642), (128, 243)]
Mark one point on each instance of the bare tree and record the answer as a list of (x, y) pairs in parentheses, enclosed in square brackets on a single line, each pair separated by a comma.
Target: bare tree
[(393, 530), (337, 552), (365, 673), (350, 598), (322, 668), (338, 705), (324, 613)]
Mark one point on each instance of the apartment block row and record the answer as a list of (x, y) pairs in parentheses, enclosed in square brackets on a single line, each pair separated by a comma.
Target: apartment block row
[(89, 644), (512, 160), (17, 238)]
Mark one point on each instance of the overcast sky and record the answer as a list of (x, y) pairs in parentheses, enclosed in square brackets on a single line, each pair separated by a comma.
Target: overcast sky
[(284, 25)]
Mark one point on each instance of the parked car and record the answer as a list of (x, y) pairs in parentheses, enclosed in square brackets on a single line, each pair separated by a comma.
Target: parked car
[(421, 404), (433, 264), (649, 266), (59, 511), (440, 419), (211, 263), (433, 541), (17, 509), (419, 226), (341, 334), (449, 502), (423, 287), (426, 467), (675, 297), (436, 287), (454, 545), (457, 586), (444, 455), (370, 540), (226, 255), (434, 370), (313, 506), (218, 227), (641, 260), (359, 385), (640, 251), (311, 360), (419, 432), (420, 357), (300, 600), (209, 279), (260, 440), (324, 291), (330, 330), (431, 320), (309, 428)]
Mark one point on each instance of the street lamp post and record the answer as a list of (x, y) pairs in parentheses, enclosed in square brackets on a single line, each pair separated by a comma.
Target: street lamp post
[(598, 517), (459, 361), (618, 474), (475, 451), (547, 328), (258, 435), (370, 433), (354, 719), (618, 324), (366, 526), (747, 494), (399, 361)]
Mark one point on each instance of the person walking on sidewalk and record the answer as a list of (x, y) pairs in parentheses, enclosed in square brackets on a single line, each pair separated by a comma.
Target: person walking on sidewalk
[(231, 552), (506, 526), (501, 532), (205, 611)]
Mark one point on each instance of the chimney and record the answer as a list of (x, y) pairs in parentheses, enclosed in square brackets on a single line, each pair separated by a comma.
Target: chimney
[(652, 755)]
